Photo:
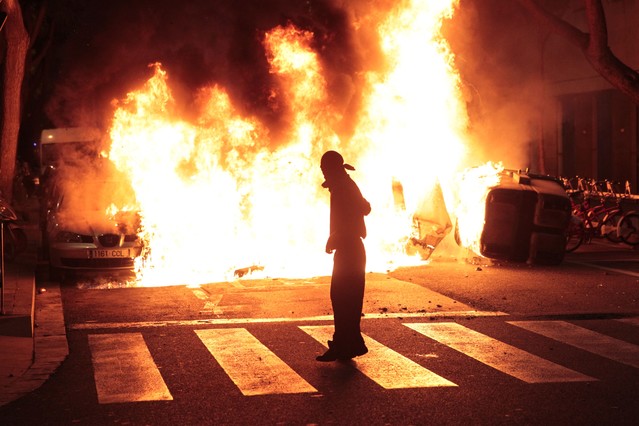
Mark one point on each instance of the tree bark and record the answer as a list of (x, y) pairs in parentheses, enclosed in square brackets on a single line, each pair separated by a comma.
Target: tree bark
[(17, 40), (594, 44)]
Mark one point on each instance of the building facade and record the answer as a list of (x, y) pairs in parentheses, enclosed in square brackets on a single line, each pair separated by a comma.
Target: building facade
[(590, 129)]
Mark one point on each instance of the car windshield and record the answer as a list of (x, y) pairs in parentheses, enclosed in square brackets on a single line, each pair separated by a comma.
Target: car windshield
[(94, 193)]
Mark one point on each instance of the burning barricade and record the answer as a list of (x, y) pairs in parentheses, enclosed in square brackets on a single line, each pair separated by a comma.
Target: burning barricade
[(431, 221), (248, 182)]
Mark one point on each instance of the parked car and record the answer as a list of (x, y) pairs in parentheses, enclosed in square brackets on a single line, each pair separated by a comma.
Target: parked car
[(89, 241), (82, 230)]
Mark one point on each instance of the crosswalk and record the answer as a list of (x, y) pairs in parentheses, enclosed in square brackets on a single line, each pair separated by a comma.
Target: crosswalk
[(236, 348), (501, 356), (125, 371), (388, 368), (585, 339)]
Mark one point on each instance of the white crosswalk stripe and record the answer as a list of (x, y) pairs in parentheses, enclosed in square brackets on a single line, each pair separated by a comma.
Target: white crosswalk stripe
[(501, 356), (385, 366), (254, 369), (124, 370), (585, 339)]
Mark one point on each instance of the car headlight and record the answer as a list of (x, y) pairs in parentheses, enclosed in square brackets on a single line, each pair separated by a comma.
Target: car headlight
[(72, 237)]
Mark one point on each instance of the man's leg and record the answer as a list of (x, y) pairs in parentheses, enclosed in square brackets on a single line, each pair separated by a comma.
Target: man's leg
[(347, 296)]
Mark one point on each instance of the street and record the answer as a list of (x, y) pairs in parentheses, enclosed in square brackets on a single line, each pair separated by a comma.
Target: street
[(449, 343), (200, 204)]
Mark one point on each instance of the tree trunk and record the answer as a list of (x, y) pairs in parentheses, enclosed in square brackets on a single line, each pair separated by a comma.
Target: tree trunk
[(17, 41), (594, 44)]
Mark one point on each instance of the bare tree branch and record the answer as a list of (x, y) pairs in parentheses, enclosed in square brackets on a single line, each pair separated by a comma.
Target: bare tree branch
[(555, 25), (594, 44), (597, 25)]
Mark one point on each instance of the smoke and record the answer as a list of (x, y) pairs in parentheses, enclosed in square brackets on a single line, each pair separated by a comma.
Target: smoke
[(83, 185), (104, 52), (497, 54)]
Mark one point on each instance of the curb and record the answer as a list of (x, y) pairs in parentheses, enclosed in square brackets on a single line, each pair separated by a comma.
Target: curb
[(49, 342)]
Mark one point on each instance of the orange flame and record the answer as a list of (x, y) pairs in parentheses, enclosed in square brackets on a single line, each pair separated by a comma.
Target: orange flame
[(473, 189), (215, 197)]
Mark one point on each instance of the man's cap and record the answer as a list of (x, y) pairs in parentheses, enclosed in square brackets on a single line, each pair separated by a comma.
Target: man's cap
[(334, 160)]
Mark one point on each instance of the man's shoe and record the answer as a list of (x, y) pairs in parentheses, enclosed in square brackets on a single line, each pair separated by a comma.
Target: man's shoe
[(333, 354), (360, 351), (353, 353), (328, 356)]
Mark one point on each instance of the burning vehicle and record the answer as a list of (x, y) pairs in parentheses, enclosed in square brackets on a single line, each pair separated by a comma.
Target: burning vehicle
[(83, 230), (526, 219), (90, 240)]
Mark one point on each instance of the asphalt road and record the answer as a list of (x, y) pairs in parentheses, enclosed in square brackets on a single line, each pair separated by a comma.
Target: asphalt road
[(452, 342)]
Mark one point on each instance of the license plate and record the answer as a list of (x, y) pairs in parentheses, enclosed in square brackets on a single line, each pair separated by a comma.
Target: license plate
[(109, 253)]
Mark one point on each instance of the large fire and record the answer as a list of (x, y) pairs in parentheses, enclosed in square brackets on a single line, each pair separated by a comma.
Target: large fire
[(218, 194)]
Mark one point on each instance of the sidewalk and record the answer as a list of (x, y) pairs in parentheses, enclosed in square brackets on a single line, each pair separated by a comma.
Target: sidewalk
[(33, 340)]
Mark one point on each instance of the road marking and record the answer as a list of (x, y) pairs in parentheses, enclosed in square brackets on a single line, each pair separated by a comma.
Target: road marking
[(124, 370), (231, 321), (385, 366), (585, 339), (210, 305), (200, 294), (605, 268), (631, 321), (501, 356), (254, 369)]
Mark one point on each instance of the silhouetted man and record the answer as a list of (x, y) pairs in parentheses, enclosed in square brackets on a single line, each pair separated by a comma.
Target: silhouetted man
[(347, 229)]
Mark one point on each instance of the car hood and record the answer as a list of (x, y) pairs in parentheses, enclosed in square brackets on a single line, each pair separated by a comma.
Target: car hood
[(93, 222)]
